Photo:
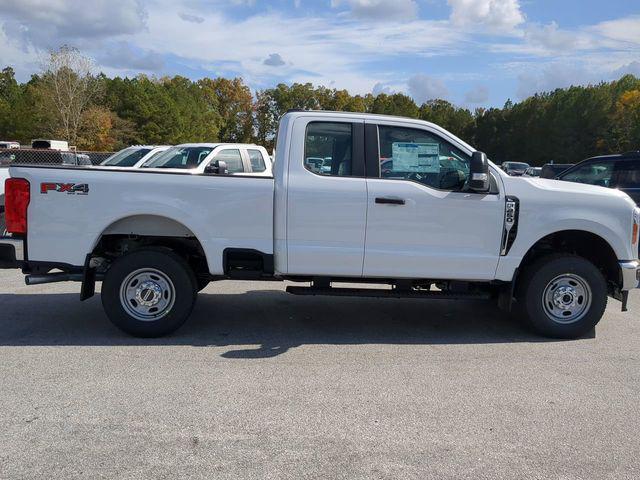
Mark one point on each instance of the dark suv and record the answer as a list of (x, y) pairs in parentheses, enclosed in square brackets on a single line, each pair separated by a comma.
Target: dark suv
[(612, 171)]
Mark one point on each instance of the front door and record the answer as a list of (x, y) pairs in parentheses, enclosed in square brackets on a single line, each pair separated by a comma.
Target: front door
[(422, 221)]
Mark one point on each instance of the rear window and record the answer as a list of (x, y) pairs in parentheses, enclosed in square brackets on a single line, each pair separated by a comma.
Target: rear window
[(257, 161)]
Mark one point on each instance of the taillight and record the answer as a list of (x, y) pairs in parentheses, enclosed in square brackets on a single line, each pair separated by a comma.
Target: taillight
[(16, 201), (636, 225)]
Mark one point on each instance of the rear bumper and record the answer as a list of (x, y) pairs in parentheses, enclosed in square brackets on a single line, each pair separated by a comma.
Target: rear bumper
[(630, 273), (11, 252)]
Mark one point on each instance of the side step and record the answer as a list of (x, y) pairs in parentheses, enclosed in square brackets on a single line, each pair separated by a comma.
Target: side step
[(383, 293)]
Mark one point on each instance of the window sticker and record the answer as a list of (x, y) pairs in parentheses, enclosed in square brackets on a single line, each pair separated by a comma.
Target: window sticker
[(416, 157)]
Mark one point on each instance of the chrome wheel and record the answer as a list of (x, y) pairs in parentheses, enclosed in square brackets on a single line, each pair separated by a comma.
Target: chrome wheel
[(147, 294), (566, 298)]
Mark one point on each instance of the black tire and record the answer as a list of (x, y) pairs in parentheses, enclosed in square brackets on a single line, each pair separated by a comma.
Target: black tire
[(540, 287), (176, 299), (201, 283)]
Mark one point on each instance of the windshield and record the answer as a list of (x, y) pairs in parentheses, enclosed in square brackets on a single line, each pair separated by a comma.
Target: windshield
[(516, 165), (127, 157), (180, 157)]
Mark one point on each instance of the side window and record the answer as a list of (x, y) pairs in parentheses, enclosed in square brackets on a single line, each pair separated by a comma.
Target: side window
[(418, 155), (257, 162), (627, 174), (232, 158), (592, 173), (328, 148)]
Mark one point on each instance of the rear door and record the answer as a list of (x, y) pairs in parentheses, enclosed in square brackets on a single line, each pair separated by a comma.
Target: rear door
[(326, 207)]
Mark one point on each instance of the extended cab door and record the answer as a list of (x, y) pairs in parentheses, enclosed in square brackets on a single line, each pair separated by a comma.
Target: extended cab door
[(422, 222), (326, 197)]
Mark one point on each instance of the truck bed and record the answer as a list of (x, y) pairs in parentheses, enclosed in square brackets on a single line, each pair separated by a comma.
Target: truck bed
[(220, 211)]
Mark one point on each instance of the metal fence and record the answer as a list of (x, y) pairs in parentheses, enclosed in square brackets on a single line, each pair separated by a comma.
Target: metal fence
[(32, 156)]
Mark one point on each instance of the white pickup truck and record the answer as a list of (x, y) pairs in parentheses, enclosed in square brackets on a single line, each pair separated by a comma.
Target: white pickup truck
[(397, 202)]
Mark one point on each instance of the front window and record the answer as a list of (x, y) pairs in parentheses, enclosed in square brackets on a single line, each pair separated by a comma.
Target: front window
[(232, 158), (126, 158), (418, 155), (180, 157), (592, 173)]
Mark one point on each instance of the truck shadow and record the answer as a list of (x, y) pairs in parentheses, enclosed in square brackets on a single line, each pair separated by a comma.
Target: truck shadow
[(266, 323)]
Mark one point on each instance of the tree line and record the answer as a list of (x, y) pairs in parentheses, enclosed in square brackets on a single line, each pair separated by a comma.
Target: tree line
[(94, 112)]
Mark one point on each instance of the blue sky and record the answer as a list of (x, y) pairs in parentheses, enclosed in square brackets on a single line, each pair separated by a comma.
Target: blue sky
[(471, 52)]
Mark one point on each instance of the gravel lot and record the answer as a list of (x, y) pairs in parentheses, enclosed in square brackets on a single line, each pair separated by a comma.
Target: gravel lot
[(261, 384)]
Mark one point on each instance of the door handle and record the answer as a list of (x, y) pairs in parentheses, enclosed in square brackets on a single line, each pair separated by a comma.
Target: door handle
[(389, 201)]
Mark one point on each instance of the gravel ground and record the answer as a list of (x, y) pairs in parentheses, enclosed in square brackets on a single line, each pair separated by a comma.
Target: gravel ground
[(261, 384)]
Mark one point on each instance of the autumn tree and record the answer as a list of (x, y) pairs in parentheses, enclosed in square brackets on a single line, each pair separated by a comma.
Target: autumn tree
[(66, 89)]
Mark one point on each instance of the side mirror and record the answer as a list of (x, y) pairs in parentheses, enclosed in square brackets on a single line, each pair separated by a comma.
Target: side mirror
[(217, 167), (479, 173)]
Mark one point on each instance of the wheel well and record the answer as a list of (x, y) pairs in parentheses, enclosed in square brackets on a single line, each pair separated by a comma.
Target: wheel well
[(578, 242), (111, 246)]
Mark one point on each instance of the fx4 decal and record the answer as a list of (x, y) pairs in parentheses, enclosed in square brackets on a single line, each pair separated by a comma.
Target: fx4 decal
[(68, 188)]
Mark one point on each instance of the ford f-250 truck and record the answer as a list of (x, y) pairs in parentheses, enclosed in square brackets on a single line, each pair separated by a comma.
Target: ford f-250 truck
[(438, 221)]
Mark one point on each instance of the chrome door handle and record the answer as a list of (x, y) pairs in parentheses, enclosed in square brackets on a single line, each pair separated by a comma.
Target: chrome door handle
[(389, 201)]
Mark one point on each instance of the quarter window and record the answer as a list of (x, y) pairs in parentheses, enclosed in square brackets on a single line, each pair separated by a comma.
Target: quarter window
[(257, 162), (418, 155), (232, 158), (328, 148)]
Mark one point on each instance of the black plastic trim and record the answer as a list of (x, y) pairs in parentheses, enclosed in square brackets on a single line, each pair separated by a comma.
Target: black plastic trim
[(268, 266)]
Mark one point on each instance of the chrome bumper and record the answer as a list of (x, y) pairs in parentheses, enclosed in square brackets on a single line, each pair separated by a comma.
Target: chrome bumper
[(11, 252), (630, 274)]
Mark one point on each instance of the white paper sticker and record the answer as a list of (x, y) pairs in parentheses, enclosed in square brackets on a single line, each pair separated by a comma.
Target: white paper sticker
[(416, 157)]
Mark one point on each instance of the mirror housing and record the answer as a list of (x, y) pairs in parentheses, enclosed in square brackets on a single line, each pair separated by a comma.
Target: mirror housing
[(217, 167), (479, 173)]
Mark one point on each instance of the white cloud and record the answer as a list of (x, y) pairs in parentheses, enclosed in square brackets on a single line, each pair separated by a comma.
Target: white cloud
[(632, 68), (550, 37), (624, 30), (187, 17), (123, 56), (274, 60), (380, 9), (381, 87), (478, 94), (423, 87), (552, 76), (495, 15), (48, 23)]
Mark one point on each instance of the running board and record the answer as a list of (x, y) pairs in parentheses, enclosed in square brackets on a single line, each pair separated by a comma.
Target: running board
[(381, 293)]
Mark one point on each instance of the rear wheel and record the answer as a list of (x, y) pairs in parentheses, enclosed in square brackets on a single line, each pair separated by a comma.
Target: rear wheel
[(149, 293), (562, 296)]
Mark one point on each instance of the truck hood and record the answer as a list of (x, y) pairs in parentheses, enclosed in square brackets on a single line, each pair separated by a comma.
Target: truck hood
[(561, 186)]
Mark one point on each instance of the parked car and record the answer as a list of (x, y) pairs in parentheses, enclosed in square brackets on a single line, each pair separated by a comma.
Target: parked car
[(552, 170), (8, 144), (612, 171), (134, 156), (533, 172), (200, 158), (515, 169), (155, 239), (46, 144)]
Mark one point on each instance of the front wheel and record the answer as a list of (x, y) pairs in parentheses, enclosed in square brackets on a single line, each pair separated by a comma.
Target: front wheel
[(562, 296), (149, 293)]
